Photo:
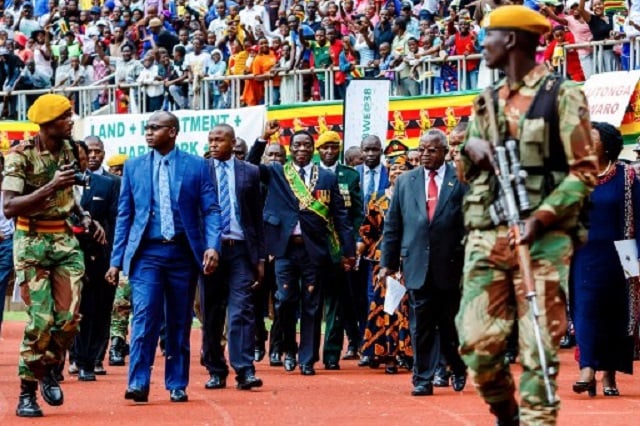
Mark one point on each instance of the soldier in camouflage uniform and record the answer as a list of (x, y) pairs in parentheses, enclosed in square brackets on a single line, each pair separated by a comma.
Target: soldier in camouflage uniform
[(562, 172), (49, 265), (120, 323)]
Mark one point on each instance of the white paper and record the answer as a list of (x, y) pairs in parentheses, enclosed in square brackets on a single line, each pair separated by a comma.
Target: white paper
[(628, 254), (395, 292)]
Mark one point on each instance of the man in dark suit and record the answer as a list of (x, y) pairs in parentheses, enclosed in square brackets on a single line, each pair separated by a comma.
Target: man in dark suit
[(374, 178), (168, 210), (100, 198), (96, 156), (424, 230), (337, 286), (227, 293), (303, 204)]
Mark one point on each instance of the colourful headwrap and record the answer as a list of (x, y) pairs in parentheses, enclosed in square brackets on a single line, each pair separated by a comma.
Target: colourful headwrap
[(328, 136), (47, 108), (117, 160)]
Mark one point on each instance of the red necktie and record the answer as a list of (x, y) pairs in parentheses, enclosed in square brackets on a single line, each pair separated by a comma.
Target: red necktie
[(432, 194)]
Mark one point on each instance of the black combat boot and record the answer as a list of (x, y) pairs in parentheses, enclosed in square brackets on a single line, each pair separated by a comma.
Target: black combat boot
[(50, 389), (27, 403), (117, 351), (506, 412)]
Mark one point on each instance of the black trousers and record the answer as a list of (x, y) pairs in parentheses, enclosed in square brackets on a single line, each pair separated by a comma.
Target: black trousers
[(432, 328), (95, 307)]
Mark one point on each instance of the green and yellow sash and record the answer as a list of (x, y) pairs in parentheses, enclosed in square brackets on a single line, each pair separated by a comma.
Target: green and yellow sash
[(306, 201)]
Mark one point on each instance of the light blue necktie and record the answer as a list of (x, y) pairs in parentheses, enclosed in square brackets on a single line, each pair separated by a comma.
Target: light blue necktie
[(371, 186), (225, 201), (164, 192)]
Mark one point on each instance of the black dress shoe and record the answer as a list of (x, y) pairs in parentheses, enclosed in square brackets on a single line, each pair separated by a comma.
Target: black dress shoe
[(275, 360), (331, 365), (510, 357), (216, 382), (50, 390), (27, 402), (137, 395), (568, 341), (350, 355), (589, 387), (117, 351), (307, 370), (258, 354), (422, 390), (99, 370), (458, 382), (86, 375), (391, 369), (440, 381), (506, 412), (364, 361), (290, 362), (247, 382), (178, 395)]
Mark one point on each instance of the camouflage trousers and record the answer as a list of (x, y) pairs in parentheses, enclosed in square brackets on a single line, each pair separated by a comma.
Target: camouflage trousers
[(49, 269), (121, 310), (493, 298)]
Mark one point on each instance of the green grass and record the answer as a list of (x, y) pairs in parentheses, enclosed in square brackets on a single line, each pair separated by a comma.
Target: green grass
[(15, 316)]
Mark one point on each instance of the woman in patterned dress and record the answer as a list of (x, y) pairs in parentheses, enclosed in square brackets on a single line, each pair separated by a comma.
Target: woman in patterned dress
[(386, 337)]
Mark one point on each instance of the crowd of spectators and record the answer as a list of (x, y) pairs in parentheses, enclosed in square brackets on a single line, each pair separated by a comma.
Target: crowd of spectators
[(169, 47)]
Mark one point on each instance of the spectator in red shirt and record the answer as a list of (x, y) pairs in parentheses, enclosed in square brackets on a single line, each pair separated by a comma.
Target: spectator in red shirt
[(555, 54)]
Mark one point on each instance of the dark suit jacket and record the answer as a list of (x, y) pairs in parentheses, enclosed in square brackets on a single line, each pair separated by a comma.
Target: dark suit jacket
[(427, 249), (100, 199), (249, 201), (282, 212), (197, 205)]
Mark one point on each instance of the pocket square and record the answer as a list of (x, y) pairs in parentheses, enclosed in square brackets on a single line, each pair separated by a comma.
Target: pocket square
[(98, 199)]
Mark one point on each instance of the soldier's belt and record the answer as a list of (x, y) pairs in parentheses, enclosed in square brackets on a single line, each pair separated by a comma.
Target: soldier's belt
[(41, 226)]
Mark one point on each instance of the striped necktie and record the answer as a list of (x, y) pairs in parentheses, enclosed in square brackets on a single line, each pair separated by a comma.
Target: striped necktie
[(225, 201)]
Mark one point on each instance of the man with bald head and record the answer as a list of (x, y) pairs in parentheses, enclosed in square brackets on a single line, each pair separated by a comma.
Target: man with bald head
[(227, 293), (168, 209)]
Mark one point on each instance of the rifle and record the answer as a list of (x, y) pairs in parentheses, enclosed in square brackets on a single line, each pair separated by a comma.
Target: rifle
[(508, 207)]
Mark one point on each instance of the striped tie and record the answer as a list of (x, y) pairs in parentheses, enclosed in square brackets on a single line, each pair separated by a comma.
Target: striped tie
[(225, 201)]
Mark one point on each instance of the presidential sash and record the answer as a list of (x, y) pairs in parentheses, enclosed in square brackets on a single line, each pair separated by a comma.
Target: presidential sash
[(306, 201)]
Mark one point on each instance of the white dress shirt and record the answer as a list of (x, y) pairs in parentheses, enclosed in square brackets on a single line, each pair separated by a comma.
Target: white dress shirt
[(439, 178), (307, 177), (235, 229), (377, 171)]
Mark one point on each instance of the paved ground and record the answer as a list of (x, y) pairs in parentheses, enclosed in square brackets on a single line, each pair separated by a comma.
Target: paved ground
[(352, 396)]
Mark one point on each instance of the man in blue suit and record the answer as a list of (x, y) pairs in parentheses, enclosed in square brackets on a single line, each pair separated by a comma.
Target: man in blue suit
[(374, 178), (303, 212), (228, 291), (167, 231), (423, 232)]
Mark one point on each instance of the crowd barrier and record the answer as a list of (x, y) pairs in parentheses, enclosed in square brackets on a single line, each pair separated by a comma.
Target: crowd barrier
[(302, 86)]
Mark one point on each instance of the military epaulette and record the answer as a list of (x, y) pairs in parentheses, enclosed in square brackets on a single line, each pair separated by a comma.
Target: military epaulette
[(348, 169)]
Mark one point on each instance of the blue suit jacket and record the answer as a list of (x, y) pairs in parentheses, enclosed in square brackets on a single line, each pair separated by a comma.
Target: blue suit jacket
[(282, 212), (427, 248), (197, 204), (249, 201), (382, 185)]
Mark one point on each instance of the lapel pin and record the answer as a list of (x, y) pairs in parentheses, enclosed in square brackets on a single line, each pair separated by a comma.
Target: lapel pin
[(450, 183)]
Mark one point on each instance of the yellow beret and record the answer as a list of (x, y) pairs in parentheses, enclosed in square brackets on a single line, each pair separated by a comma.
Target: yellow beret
[(117, 160), (47, 108), (328, 136), (517, 18)]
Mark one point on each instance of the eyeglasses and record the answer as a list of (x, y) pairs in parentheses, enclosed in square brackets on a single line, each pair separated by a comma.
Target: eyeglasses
[(154, 127)]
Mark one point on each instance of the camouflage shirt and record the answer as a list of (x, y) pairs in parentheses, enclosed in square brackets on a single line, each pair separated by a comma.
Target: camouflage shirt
[(28, 168), (563, 203)]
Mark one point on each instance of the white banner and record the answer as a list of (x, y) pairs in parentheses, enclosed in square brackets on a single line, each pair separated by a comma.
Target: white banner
[(366, 111), (124, 134), (608, 95)]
